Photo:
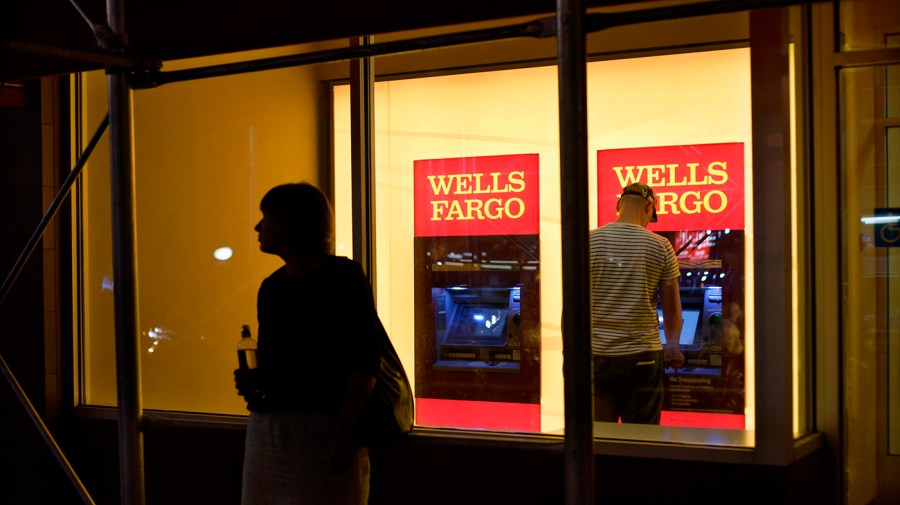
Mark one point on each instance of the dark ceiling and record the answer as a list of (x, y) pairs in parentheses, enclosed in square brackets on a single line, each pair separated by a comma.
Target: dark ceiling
[(50, 37), (46, 37)]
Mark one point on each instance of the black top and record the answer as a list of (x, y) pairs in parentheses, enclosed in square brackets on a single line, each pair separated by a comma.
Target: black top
[(315, 329)]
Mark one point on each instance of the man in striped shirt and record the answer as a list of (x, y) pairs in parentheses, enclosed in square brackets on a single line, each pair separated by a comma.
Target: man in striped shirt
[(628, 265)]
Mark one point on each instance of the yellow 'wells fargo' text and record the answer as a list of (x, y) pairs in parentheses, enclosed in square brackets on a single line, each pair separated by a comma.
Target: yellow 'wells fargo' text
[(477, 184)]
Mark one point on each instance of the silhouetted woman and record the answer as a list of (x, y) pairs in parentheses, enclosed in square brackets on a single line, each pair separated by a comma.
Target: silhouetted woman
[(316, 361)]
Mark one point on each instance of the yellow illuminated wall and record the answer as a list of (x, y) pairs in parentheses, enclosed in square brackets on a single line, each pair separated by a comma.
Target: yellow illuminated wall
[(655, 101), (205, 153)]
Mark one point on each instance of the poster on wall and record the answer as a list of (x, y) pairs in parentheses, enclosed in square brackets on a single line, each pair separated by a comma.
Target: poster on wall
[(700, 192), (477, 292)]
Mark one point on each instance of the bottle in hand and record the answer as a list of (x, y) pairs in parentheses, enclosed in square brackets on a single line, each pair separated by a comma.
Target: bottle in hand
[(246, 350)]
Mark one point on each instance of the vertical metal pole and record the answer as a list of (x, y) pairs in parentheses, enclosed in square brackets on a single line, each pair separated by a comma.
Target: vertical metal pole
[(128, 376), (572, 61), (362, 82), (769, 68)]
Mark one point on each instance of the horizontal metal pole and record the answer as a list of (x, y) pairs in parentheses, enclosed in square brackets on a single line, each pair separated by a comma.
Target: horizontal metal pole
[(105, 58), (538, 28), (51, 211), (543, 27), (602, 21)]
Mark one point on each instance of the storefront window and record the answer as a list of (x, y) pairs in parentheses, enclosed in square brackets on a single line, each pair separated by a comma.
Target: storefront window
[(467, 217), (205, 153), (468, 226), (870, 150), (872, 328), (892, 163), (686, 132), (468, 258)]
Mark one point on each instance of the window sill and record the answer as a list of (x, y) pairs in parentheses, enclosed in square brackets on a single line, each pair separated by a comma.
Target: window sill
[(625, 440)]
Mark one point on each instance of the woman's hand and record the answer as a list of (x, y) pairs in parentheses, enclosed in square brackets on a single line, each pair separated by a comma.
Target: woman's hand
[(248, 384)]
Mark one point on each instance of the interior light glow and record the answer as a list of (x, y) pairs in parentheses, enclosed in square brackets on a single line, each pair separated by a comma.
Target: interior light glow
[(880, 219), (157, 333), (223, 253)]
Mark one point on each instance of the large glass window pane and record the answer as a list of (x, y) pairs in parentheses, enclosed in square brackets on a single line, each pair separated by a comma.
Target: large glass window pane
[(463, 159), (893, 326), (205, 153), (681, 124), (467, 215), (871, 330)]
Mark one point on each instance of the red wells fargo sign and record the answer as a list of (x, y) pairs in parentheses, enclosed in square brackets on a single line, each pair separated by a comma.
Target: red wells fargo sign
[(698, 187), (482, 195)]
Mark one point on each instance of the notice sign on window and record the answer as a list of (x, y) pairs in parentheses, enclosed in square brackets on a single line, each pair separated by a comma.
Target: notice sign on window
[(887, 227), (482, 195), (698, 187)]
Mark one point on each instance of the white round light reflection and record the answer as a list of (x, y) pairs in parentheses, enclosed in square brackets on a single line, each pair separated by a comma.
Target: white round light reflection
[(223, 253)]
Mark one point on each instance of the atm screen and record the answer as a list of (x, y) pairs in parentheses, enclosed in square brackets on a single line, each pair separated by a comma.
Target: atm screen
[(480, 324), (688, 329)]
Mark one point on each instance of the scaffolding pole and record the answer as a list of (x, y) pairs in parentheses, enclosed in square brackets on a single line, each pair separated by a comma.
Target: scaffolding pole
[(17, 388), (573, 168), (128, 373)]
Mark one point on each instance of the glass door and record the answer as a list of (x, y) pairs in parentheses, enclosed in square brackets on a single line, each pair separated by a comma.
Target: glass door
[(870, 106)]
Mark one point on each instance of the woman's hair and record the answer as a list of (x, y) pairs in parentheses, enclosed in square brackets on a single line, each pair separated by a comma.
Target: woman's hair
[(308, 213)]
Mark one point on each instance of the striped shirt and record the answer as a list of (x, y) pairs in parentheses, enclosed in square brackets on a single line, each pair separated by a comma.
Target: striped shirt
[(627, 264)]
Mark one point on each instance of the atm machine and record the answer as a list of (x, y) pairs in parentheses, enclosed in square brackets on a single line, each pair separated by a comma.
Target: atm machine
[(712, 378), (478, 328), (701, 311), (478, 319)]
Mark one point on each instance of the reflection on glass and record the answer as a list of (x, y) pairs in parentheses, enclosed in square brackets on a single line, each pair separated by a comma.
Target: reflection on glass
[(893, 316), (223, 253), (869, 352)]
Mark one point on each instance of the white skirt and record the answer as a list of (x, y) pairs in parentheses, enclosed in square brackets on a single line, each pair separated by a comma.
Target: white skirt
[(285, 463)]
